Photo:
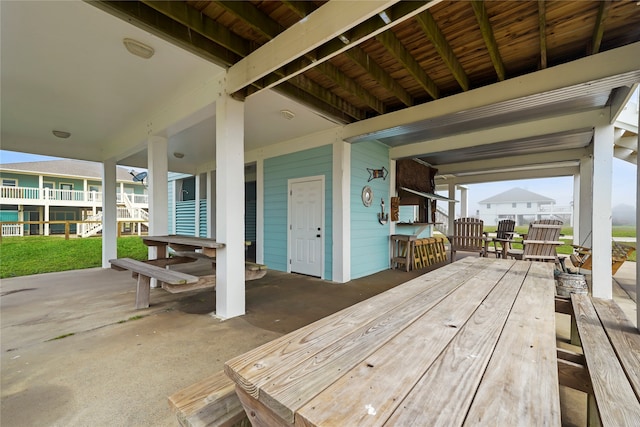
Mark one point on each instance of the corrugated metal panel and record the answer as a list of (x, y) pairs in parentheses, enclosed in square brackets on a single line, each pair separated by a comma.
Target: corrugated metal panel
[(277, 172), (369, 238), (185, 215), (574, 98)]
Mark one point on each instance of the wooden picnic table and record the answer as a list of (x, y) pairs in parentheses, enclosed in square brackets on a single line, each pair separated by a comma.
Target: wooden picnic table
[(179, 243), (472, 343)]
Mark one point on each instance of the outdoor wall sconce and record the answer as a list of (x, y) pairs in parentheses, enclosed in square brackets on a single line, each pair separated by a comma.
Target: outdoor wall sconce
[(382, 217), (377, 173)]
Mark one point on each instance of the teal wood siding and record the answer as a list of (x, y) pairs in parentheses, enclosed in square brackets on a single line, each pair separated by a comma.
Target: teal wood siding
[(277, 172), (8, 215), (203, 217), (185, 214), (29, 181), (171, 214), (369, 239)]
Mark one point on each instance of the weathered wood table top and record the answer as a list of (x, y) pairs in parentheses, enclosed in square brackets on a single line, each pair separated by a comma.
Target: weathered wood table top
[(185, 243), (472, 343)]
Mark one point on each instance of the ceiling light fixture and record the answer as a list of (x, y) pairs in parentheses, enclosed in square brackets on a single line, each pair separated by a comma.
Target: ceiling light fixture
[(137, 48), (287, 114), (343, 39), (178, 155), (61, 134)]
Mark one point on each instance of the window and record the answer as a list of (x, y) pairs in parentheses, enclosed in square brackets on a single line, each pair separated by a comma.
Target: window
[(7, 182), (46, 184), (513, 205), (528, 204), (488, 205)]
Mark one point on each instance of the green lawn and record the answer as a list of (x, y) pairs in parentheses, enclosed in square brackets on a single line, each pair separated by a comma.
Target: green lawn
[(566, 249), (22, 256)]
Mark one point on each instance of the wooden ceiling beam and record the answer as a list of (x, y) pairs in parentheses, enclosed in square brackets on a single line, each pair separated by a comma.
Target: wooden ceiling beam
[(359, 56), (542, 28), (270, 29), (598, 32), (397, 49), (149, 19), (489, 39), (431, 29), (202, 24)]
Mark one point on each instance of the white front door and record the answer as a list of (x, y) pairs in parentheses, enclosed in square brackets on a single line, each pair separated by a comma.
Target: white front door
[(306, 225)]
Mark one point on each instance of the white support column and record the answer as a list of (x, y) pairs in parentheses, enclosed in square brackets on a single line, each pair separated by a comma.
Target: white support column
[(637, 227), (197, 205), (601, 211), (451, 208), (211, 204), (341, 211), (464, 201), (575, 209), (230, 286), (158, 182), (46, 218), (585, 202), (109, 213), (260, 210)]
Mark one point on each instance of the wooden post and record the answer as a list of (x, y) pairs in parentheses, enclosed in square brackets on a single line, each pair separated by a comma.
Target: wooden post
[(0, 231), (66, 230)]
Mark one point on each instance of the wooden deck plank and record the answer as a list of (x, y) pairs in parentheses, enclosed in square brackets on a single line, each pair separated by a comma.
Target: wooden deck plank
[(298, 384), (523, 368), (616, 400), (625, 339), (304, 344), (368, 386), (443, 394)]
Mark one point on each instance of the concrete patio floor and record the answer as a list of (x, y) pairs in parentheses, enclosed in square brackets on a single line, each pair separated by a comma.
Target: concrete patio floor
[(74, 352)]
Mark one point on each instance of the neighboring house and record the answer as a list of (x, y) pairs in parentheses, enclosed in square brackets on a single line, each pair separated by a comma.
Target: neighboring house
[(63, 190), (522, 206)]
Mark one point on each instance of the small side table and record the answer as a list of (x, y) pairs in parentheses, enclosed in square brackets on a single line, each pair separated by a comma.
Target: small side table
[(402, 246)]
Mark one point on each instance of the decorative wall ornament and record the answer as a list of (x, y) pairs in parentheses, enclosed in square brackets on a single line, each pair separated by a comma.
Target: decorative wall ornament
[(367, 196), (382, 217), (377, 173)]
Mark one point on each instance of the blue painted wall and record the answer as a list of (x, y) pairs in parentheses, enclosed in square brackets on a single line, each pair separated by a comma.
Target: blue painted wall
[(369, 239), (277, 171)]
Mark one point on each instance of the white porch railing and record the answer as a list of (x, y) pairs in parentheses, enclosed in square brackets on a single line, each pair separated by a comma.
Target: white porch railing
[(23, 194), (12, 230)]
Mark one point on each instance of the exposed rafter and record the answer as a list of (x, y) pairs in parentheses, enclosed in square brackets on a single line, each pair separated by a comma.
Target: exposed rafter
[(380, 75), (397, 49), (198, 23), (542, 26), (598, 31), (487, 34), (431, 29)]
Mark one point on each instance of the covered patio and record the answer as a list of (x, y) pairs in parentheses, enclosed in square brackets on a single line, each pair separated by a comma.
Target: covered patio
[(75, 352), (479, 91)]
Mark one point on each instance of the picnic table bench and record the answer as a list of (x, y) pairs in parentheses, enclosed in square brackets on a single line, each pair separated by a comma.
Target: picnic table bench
[(171, 280), (609, 368)]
